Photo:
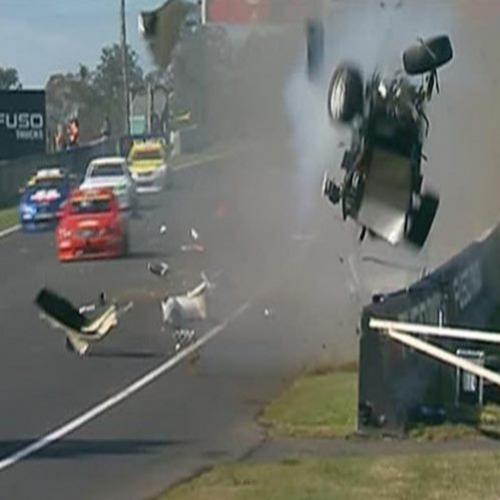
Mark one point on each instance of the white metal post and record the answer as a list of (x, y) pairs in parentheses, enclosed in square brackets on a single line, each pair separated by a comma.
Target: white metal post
[(445, 356), (203, 12), (436, 331)]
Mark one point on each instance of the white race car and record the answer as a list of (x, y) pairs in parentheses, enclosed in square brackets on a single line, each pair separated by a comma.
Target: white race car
[(112, 172)]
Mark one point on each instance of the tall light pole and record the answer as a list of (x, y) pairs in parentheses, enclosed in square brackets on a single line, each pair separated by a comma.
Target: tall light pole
[(126, 96)]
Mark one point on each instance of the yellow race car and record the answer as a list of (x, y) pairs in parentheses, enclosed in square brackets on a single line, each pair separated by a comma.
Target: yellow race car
[(147, 162)]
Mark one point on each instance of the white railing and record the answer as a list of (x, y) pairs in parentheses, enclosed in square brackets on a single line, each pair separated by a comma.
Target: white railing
[(404, 334)]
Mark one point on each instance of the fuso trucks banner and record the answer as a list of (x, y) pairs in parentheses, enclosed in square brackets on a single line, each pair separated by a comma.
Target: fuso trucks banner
[(22, 123)]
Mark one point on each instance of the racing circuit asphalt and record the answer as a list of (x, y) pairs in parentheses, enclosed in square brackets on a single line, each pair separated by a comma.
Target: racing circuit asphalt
[(195, 414), (245, 209)]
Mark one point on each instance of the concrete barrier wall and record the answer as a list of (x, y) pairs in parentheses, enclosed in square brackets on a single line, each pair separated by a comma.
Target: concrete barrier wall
[(393, 379), (14, 173)]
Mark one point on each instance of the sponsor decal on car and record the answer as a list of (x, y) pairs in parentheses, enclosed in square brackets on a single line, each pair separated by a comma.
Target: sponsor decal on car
[(45, 195)]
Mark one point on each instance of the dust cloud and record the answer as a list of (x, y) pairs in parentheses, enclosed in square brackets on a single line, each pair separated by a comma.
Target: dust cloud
[(290, 242)]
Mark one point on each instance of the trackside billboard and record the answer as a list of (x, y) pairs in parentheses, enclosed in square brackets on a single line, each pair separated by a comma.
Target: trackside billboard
[(22, 123)]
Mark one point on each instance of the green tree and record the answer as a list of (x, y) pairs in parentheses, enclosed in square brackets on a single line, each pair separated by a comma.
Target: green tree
[(72, 95), (92, 94), (108, 81), (9, 79)]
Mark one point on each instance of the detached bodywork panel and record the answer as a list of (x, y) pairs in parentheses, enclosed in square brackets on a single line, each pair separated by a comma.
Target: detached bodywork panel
[(386, 197), (80, 330), (191, 306)]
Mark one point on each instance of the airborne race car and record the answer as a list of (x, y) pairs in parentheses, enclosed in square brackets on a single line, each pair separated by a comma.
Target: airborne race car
[(382, 185)]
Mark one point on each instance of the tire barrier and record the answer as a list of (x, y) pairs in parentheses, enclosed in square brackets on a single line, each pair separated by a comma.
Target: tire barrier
[(396, 382)]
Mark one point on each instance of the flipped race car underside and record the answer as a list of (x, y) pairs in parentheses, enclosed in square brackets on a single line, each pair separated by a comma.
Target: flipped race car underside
[(382, 186)]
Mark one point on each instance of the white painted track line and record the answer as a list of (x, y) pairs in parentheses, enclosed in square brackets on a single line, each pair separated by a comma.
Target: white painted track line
[(125, 393), (10, 230), (199, 161)]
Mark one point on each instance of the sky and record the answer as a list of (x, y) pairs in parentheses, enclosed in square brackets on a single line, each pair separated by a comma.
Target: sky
[(43, 37)]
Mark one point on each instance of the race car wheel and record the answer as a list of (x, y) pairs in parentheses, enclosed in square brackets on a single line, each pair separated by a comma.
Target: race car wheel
[(352, 194), (422, 220), (345, 94), (428, 56)]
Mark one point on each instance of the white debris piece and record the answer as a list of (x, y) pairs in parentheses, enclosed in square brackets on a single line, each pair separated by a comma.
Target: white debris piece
[(194, 234), (163, 229), (126, 308), (209, 284), (191, 306), (193, 248), (87, 308), (267, 312)]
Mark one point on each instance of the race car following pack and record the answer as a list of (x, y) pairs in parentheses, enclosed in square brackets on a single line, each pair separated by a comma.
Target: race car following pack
[(112, 173), (42, 198), (91, 226), (382, 189), (147, 162)]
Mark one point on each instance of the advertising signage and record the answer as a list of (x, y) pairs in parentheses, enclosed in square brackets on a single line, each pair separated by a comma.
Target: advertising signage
[(22, 123)]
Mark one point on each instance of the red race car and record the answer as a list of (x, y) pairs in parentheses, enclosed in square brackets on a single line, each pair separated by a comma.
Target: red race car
[(91, 226)]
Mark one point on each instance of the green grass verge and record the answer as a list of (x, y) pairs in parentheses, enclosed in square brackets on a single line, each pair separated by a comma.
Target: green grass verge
[(8, 218), (467, 423), (321, 404), (465, 475)]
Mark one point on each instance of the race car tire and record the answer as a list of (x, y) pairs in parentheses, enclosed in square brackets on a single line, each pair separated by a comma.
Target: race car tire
[(422, 220), (428, 56), (345, 94), (352, 194)]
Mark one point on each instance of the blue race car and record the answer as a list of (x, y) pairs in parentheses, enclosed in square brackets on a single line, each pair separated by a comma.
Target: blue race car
[(42, 199)]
